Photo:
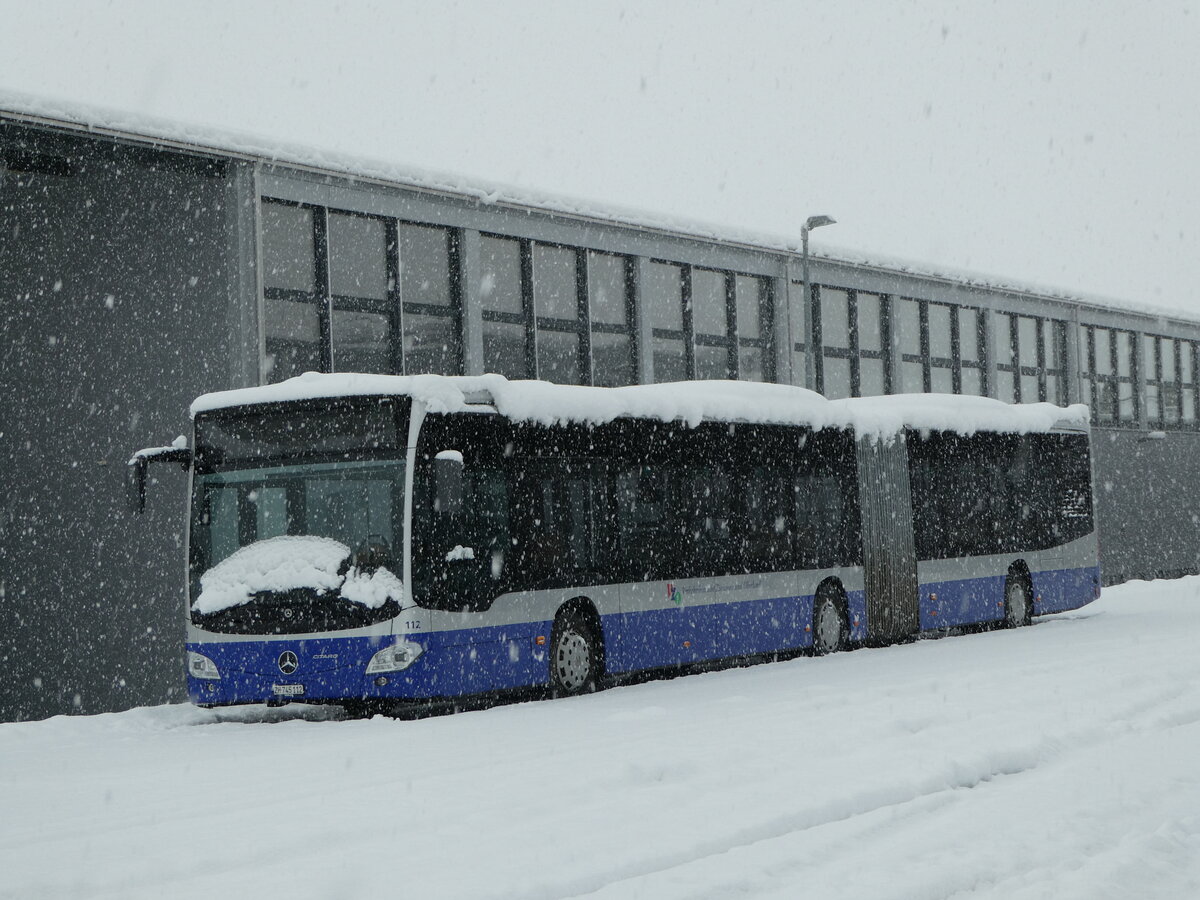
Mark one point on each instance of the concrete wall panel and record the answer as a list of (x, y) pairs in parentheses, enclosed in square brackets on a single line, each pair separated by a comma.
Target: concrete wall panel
[(114, 304)]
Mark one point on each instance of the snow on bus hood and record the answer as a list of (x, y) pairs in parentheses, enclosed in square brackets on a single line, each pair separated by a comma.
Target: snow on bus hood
[(288, 562)]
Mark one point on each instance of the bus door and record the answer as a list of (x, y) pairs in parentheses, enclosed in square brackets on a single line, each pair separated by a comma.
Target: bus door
[(889, 557)]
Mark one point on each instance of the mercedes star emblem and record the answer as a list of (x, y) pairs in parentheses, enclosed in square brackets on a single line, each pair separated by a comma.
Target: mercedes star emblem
[(288, 663)]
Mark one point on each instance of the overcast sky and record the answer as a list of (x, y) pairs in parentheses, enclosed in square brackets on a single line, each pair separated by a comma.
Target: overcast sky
[(1054, 143)]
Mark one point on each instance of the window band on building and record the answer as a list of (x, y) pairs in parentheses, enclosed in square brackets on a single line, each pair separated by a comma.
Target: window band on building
[(1030, 358), (1170, 381), (753, 314), (1109, 368), (707, 323), (613, 344), (347, 291), (851, 328), (351, 291), (713, 324), (295, 291), (561, 302)]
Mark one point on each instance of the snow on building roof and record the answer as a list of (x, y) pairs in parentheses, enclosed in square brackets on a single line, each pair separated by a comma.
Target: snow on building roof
[(155, 130), (691, 402)]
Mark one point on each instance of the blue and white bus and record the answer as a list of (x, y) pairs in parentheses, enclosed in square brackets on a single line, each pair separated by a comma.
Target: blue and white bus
[(381, 540)]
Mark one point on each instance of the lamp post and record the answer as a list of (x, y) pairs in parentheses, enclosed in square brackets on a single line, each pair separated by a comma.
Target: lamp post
[(810, 359)]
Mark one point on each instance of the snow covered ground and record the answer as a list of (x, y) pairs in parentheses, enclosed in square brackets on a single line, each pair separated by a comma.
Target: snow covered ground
[(1061, 761)]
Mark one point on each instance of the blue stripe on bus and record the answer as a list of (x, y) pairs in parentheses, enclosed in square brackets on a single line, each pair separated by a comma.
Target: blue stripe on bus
[(1062, 589), (684, 634), (475, 660), (945, 604), (969, 601)]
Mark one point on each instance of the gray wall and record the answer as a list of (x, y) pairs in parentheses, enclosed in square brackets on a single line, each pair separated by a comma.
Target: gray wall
[(115, 292), (1147, 503)]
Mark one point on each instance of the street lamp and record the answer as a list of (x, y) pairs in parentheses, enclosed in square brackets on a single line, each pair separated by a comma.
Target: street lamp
[(810, 359)]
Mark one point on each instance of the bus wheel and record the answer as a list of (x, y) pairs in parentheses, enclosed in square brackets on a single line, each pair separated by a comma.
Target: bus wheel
[(829, 626), (1018, 610), (574, 657)]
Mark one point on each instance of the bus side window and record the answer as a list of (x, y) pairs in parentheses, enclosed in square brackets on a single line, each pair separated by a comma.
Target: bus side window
[(1013, 531), (703, 507), (819, 511), (767, 527), (1058, 489), (559, 512), (1073, 486), (641, 521), (584, 494), (487, 525)]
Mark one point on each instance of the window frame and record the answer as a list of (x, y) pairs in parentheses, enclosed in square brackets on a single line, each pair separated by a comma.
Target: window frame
[(854, 353), (393, 305), (1096, 381), (732, 339), (955, 363), (580, 327), (1040, 369), (629, 329), (1170, 392)]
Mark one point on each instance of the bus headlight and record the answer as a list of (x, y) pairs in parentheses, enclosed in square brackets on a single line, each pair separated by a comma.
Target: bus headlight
[(399, 656), (200, 666)]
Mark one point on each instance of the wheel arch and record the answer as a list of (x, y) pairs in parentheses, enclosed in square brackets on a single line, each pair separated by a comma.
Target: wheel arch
[(831, 588), (1018, 568), (582, 609)]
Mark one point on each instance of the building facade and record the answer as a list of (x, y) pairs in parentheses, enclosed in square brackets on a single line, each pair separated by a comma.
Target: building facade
[(136, 273)]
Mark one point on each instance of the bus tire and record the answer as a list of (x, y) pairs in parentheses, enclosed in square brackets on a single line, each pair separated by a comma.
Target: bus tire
[(575, 656), (828, 624), (1018, 603)]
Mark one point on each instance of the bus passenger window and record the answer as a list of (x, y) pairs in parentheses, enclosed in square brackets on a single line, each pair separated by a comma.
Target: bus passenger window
[(555, 528), (819, 527), (641, 520), (704, 512), (542, 548), (767, 527), (487, 531)]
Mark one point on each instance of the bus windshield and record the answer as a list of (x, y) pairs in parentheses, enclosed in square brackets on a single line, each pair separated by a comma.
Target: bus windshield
[(284, 544)]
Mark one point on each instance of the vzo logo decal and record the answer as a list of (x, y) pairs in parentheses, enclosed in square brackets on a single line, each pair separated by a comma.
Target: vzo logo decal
[(674, 594)]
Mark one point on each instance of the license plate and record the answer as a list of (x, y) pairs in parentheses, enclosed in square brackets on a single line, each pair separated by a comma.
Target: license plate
[(287, 690)]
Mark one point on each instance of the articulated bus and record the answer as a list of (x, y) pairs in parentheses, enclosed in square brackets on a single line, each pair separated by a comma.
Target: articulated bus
[(384, 540)]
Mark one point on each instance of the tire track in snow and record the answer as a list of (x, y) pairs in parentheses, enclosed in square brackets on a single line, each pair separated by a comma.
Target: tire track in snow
[(863, 804), (905, 802)]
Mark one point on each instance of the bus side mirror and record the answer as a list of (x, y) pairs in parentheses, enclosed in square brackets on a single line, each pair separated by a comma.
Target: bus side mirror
[(135, 471), (448, 483)]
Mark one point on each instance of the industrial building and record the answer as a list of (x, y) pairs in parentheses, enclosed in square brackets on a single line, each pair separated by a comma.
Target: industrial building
[(138, 270)]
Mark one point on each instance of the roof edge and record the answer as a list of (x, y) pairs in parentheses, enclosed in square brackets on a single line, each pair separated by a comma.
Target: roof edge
[(215, 142)]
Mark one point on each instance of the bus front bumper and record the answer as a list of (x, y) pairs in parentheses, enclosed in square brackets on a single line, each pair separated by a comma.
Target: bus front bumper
[(415, 667)]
